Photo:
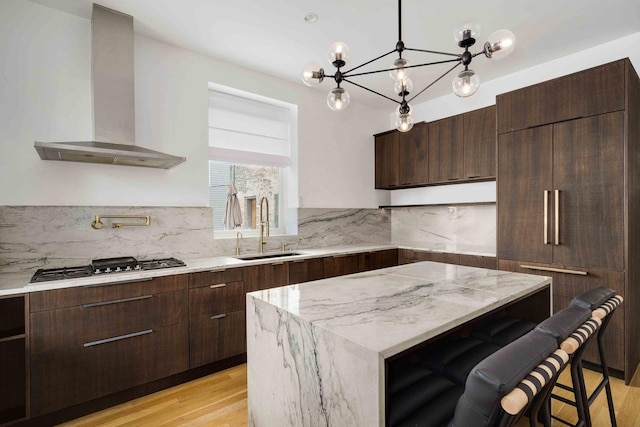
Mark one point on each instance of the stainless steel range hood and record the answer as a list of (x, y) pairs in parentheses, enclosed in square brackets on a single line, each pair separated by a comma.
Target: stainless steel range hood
[(113, 102)]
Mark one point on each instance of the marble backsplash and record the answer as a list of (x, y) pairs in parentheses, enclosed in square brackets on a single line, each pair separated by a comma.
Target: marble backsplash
[(472, 227), (33, 237)]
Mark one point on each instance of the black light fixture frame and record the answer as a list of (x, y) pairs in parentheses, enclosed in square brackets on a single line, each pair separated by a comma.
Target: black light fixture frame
[(464, 59)]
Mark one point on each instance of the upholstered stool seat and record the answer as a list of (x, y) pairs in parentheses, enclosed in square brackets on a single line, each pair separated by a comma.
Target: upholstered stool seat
[(456, 357), (503, 330)]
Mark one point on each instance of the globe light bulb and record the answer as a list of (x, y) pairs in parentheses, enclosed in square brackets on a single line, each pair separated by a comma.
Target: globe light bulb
[(404, 122), (339, 54), (500, 44), (312, 74), (338, 99), (403, 87), (400, 72), (466, 83), (468, 29)]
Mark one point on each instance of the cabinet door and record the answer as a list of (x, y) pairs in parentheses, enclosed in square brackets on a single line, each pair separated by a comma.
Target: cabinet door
[(306, 270), (598, 90), (480, 143), (540, 104), (567, 286), (589, 178), (381, 259), (68, 376), (446, 149), (524, 174), (413, 147), (339, 265), (216, 337), (387, 160)]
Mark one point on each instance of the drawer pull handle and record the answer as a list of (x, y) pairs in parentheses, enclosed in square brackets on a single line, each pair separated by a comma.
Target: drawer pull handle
[(148, 279), (555, 270), (219, 270), (219, 285), (218, 316), (118, 338), (117, 301), (277, 263)]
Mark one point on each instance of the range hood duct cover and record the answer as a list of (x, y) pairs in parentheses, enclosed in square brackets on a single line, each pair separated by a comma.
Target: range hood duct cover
[(113, 102)]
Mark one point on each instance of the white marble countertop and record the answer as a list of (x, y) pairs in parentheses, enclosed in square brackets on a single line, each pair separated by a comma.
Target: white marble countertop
[(390, 310), (18, 283)]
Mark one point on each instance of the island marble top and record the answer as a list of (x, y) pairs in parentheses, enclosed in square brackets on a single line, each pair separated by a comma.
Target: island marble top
[(390, 310)]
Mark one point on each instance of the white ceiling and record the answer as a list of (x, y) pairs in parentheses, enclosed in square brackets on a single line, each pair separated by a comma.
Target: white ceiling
[(272, 35)]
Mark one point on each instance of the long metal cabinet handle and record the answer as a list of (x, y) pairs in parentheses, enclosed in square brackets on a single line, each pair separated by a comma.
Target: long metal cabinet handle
[(218, 316), (546, 217), (557, 220), (219, 285), (117, 301), (555, 270), (118, 338)]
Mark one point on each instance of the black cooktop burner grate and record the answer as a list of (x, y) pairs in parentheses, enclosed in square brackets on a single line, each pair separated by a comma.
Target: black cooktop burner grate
[(104, 266)]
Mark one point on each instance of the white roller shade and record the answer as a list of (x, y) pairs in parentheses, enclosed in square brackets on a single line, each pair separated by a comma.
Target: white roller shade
[(248, 130)]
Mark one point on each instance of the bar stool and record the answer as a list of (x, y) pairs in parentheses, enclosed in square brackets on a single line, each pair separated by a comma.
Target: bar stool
[(603, 302)]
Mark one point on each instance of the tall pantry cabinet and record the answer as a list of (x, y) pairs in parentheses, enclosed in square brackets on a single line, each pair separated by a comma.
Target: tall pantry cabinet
[(569, 192)]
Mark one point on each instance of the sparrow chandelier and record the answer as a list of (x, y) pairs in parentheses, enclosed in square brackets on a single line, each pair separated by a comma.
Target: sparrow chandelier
[(499, 44)]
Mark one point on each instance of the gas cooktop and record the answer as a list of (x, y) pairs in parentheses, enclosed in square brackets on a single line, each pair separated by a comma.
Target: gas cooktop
[(104, 266)]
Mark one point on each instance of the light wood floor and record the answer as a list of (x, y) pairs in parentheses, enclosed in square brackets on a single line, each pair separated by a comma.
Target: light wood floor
[(220, 399)]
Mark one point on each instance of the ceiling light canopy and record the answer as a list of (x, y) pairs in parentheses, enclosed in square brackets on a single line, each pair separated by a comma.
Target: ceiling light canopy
[(499, 44)]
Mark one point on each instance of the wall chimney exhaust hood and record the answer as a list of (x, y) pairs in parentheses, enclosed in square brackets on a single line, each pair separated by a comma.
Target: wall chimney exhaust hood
[(113, 102)]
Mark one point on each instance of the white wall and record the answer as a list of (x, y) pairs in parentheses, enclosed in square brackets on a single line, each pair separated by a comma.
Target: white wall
[(451, 105), (45, 95)]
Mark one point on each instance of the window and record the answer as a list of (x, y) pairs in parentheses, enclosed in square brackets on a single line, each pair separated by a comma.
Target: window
[(252, 145)]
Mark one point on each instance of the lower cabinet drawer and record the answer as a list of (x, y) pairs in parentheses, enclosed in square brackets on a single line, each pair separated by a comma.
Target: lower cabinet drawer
[(73, 326), (217, 337), (216, 299), (74, 375)]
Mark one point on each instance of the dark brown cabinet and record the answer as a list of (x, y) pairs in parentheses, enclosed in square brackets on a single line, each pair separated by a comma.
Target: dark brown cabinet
[(88, 342), (479, 133), (306, 270), (595, 91), (561, 193), (407, 256), (446, 149), (387, 160), (455, 149), (339, 265), (401, 158), (217, 316), (568, 162), (13, 369), (380, 259)]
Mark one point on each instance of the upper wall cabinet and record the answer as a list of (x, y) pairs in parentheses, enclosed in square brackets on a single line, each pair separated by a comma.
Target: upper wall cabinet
[(401, 158), (587, 93), (455, 149)]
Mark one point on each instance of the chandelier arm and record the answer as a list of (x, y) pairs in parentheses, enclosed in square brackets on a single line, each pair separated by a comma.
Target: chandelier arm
[(434, 82), (432, 51), (371, 90), (408, 66), (369, 62)]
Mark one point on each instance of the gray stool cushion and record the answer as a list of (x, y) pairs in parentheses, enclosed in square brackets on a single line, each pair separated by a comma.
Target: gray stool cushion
[(428, 402), (503, 330), (456, 357), (498, 374), (402, 374), (564, 322), (593, 298)]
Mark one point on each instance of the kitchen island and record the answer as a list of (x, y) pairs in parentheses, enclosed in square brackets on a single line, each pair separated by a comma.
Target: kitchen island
[(317, 352)]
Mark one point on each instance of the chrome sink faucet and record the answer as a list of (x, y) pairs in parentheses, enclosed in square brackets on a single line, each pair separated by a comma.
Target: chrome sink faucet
[(263, 225)]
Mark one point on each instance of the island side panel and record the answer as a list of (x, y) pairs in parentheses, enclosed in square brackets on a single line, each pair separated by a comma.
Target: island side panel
[(302, 375)]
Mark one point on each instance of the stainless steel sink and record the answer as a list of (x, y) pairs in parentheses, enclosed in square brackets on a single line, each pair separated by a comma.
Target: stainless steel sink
[(268, 255)]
